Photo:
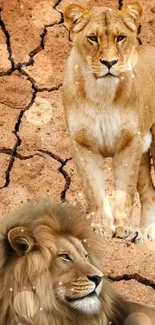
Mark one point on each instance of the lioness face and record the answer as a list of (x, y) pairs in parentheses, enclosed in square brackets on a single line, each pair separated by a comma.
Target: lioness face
[(104, 38), (77, 281), (107, 45)]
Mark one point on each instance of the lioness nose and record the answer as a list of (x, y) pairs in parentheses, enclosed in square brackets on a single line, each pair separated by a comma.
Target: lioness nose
[(95, 278), (108, 64)]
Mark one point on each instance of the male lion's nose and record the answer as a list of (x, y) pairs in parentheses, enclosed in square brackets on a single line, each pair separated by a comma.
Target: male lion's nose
[(95, 278), (108, 64)]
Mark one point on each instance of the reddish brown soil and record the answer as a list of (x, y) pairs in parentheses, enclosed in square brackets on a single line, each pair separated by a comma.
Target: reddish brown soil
[(34, 142)]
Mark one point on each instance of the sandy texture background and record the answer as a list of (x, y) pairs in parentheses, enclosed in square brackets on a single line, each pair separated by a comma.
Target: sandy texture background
[(35, 158)]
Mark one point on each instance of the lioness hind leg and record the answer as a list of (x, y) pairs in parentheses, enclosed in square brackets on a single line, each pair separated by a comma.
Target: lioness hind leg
[(90, 165), (147, 197)]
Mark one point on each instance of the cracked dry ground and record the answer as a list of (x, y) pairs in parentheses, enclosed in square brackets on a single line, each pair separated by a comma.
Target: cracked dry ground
[(35, 156)]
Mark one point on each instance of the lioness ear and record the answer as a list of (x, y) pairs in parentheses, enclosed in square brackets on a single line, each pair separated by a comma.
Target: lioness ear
[(76, 17), (131, 15), (21, 240)]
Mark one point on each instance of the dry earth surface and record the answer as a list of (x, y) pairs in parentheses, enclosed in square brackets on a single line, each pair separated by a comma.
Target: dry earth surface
[(35, 157)]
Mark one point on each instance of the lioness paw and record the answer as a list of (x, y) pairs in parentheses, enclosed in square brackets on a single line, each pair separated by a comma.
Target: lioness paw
[(149, 232), (146, 234), (127, 232), (103, 230)]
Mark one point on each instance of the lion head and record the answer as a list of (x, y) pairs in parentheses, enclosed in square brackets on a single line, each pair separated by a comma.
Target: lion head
[(105, 38), (50, 270), (47, 265)]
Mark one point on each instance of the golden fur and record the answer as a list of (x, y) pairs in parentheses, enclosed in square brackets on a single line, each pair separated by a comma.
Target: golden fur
[(40, 285), (110, 111)]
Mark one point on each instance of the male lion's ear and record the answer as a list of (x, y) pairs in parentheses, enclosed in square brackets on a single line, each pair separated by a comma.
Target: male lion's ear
[(131, 15), (76, 17), (21, 239)]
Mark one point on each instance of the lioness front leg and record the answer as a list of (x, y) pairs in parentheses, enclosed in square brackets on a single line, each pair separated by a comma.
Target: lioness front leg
[(147, 197), (126, 166), (90, 168)]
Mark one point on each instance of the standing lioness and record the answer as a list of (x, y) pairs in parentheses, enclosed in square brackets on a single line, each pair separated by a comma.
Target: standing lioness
[(109, 102)]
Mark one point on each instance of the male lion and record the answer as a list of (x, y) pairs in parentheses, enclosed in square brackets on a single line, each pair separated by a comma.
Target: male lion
[(51, 272), (110, 110)]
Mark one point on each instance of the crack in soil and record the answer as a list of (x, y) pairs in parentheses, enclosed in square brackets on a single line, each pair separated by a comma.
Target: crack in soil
[(67, 179), (9, 152), (18, 142), (56, 4), (32, 81), (6, 151), (38, 48), (13, 152), (31, 61), (61, 170), (45, 31), (21, 157), (33, 52), (49, 89), (120, 4), (8, 43), (134, 276)]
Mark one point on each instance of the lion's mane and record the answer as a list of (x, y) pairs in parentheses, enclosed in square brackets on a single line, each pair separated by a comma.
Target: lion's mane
[(18, 299)]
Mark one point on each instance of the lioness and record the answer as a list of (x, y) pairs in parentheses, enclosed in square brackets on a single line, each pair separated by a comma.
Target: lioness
[(109, 102), (51, 272)]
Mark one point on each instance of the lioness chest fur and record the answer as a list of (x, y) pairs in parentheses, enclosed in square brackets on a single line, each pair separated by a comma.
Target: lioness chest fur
[(110, 111)]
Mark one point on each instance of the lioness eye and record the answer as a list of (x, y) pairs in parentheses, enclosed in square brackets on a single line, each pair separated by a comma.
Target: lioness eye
[(65, 257), (121, 38), (93, 38)]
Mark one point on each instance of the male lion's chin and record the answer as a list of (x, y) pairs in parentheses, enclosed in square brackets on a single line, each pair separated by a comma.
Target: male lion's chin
[(88, 305)]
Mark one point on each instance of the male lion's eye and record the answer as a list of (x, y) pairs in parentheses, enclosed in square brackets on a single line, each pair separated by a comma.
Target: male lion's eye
[(65, 257), (93, 38), (87, 257), (121, 38)]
